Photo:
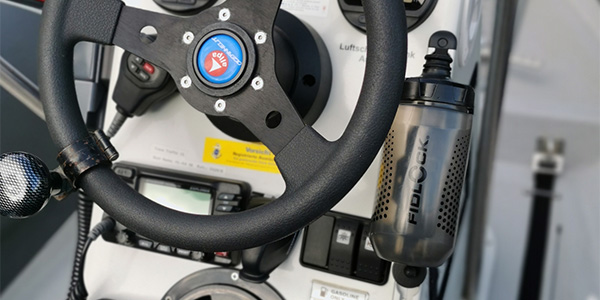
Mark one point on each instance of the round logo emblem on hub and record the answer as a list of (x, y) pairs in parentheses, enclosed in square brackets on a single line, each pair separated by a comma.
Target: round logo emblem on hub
[(216, 63), (221, 59)]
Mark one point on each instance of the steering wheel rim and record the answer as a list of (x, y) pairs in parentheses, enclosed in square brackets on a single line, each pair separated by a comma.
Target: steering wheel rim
[(318, 173)]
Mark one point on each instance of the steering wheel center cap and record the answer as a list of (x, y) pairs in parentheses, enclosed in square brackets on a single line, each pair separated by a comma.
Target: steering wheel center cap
[(220, 59)]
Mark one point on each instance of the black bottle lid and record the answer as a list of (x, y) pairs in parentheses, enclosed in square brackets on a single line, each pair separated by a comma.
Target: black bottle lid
[(435, 85)]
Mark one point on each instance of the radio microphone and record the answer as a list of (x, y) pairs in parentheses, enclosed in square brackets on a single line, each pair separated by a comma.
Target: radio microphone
[(424, 163)]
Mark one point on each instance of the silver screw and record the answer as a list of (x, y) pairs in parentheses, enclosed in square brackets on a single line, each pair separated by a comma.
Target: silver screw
[(260, 37), (220, 105), (224, 14), (168, 298), (257, 83), (186, 82), (235, 276), (188, 37)]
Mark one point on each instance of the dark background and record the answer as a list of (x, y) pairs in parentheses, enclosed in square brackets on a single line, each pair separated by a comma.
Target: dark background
[(21, 130)]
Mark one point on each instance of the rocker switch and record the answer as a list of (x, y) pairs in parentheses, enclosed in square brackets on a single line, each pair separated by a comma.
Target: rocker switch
[(342, 247), (368, 265), (318, 238)]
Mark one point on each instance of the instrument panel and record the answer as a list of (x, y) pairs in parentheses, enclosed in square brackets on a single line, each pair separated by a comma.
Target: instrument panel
[(174, 136)]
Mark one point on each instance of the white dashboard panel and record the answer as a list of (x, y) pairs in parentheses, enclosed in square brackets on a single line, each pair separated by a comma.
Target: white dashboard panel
[(171, 135)]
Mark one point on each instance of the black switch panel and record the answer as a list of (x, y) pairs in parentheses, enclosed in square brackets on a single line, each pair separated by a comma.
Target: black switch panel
[(317, 240), (337, 243), (368, 264), (343, 241)]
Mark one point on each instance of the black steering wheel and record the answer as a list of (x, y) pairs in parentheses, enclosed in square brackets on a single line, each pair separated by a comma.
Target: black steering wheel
[(318, 173)]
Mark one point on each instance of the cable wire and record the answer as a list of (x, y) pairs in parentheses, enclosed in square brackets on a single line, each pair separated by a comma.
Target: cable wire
[(116, 124), (77, 289), (84, 217)]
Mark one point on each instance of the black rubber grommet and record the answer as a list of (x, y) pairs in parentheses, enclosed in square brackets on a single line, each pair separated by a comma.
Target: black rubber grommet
[(408, 276)]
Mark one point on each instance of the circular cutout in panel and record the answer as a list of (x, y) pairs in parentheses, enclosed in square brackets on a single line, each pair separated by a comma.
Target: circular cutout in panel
[(219, 283), (148, 34)]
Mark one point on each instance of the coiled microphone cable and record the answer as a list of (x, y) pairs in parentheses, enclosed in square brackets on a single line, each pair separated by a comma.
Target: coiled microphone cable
[(77, 290)]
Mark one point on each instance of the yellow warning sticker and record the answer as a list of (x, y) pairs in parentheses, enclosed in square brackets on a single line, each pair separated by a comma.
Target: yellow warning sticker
[(253, 156)]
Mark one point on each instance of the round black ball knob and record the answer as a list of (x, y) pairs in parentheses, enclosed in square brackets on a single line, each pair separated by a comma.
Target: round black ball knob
[(24, 184)]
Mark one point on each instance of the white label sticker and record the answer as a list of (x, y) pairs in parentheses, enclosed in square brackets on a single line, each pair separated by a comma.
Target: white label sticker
[(368, 245), (343, 237), (315, 8), (180, 160), (325, 291)]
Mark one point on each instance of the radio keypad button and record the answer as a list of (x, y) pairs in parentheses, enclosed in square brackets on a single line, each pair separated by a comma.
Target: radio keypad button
[(222, 254), (138, 59), (145, 244), (163, 248), (183, 252), (124, 172), (197, 255), (224, 208), (232, 203), (226, 197), (222, 260)]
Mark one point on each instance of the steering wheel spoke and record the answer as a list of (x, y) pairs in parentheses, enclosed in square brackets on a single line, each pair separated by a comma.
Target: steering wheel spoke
[(266, 112), (254, 16), (156, 37), (303, 155)]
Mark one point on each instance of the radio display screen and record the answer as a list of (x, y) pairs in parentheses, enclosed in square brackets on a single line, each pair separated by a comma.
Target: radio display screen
[(182, 197)]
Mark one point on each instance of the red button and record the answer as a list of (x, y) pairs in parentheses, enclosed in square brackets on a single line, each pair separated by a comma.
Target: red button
[(222, 254), (148, 68)]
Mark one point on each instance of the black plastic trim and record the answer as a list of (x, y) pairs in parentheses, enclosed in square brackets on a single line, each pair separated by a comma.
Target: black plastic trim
[(80, 157)]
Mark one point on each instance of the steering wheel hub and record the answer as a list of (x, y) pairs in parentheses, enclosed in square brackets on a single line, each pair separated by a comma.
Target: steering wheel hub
[(221, 59)]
